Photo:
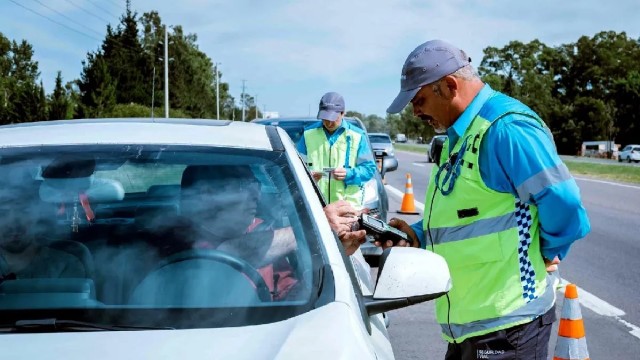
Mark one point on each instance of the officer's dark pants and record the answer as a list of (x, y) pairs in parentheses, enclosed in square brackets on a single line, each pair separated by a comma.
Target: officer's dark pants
[(522, 342)]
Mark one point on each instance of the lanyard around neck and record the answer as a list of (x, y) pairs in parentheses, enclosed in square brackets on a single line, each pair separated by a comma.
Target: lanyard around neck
[(451, 168)]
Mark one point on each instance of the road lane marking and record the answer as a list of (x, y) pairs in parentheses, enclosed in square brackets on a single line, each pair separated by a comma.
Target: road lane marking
[(421, 165), (587, 299), (608, 182)]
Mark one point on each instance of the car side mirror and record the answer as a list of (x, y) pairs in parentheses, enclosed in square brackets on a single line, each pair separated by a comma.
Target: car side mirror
[(408, 276), (389, 163)]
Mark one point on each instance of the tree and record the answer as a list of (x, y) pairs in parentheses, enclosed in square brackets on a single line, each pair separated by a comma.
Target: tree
[(626, 92), (97, 88), (59, 103), (134, 62), (22, 98)]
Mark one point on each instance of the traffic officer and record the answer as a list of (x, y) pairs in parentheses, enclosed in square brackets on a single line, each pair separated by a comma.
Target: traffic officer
[(337, 153), (502, 208)]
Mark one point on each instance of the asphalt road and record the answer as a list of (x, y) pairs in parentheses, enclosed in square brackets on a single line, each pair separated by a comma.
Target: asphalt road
[(605, 265)]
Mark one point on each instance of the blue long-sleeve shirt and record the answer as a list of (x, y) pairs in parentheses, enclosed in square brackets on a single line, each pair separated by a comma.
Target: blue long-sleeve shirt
[(365, 165), (522, 160)]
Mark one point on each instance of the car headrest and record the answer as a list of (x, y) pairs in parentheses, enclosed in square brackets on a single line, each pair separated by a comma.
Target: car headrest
[(67, 190)]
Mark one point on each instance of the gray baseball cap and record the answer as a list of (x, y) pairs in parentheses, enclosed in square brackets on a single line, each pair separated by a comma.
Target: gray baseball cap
[(331, 105), (426, 64)]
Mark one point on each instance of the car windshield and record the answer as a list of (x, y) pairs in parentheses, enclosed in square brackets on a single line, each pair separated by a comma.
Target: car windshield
[(171, 236), (380, 139)]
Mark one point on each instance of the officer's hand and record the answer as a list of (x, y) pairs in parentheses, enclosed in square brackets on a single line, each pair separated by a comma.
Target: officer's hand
[(405, 228), (552, 265), (339, 173), (317, 175)]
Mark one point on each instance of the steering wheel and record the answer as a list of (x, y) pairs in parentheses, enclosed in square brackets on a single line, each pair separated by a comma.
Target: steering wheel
[(234, 262)]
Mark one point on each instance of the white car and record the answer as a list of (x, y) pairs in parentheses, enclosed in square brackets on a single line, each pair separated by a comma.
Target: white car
[(115, 265), (630, 153)]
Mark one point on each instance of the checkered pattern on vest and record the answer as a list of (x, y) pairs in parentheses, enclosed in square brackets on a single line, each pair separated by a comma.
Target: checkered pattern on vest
[(527, 273)]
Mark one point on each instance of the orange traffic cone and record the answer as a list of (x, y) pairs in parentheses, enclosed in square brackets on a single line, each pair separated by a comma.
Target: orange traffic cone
[(572, 342), (408, 202)]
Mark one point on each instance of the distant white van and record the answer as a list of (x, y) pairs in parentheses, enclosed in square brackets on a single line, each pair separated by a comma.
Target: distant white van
[(401, 138)]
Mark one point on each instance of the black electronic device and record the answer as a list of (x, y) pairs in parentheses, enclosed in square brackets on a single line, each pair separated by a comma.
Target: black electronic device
[(379, 230)]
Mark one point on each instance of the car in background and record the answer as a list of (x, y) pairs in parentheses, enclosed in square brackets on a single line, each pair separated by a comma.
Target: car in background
[(434, 148), (401, 138), (630, 153), (105, 193), (383, 150)]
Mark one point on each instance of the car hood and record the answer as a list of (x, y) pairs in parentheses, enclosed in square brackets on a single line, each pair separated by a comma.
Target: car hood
[(329, 332)]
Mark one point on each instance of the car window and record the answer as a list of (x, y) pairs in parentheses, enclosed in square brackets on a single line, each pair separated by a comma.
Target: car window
[(637, 148), (122, 229), (379, 139)]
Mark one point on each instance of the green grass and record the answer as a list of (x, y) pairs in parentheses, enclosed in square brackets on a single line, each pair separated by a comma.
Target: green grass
[(622, 173), (630, 174), (421, 149)]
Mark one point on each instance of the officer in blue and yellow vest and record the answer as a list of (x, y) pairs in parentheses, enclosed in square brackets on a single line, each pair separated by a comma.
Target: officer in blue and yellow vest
[(502, 208), (337, 153)]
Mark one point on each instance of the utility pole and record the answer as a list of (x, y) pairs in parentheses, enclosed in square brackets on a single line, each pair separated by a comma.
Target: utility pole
[(264, 110), (255, 105), (153, 90), (166, 73), (217, 91), (242, 99)]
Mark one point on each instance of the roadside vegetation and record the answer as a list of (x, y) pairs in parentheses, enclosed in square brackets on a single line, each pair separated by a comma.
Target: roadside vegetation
[(630, 174), (622, 173)]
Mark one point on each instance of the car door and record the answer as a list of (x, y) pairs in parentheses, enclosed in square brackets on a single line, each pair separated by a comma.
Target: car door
[(364, 285)]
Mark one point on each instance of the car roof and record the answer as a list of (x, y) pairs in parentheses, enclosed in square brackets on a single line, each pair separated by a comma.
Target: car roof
[(380, 134), (197, 132)]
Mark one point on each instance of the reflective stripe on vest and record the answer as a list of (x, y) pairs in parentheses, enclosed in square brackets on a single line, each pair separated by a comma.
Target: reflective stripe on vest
[(343, 153), (475, 229), (523, 315), (489, 239)]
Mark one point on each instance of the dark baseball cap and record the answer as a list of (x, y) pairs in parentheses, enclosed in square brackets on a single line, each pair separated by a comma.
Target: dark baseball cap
[(331, 105), (426, 64)]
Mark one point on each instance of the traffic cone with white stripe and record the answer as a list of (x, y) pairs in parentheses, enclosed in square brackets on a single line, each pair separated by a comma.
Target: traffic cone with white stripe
[(408, 202), (572, 342)]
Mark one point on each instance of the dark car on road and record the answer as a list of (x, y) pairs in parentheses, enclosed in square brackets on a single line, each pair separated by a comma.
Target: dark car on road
[(435, 148)]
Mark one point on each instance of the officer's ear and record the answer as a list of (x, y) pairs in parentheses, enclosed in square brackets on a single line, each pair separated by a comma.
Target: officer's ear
[(449, 87)]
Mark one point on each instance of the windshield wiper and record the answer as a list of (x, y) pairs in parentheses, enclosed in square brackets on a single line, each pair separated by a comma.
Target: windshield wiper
[(54, 325)]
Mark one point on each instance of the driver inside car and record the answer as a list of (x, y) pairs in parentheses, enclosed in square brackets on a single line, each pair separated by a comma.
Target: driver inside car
[(221, 203)]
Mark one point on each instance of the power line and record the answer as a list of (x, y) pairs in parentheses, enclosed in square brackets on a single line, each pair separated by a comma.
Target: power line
[(88, 12), (54, 21), (116, 3), (116, 42), (103, 9), (66, 17)]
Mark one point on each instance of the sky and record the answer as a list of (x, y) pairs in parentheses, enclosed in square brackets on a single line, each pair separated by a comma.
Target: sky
[(292, 52)]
